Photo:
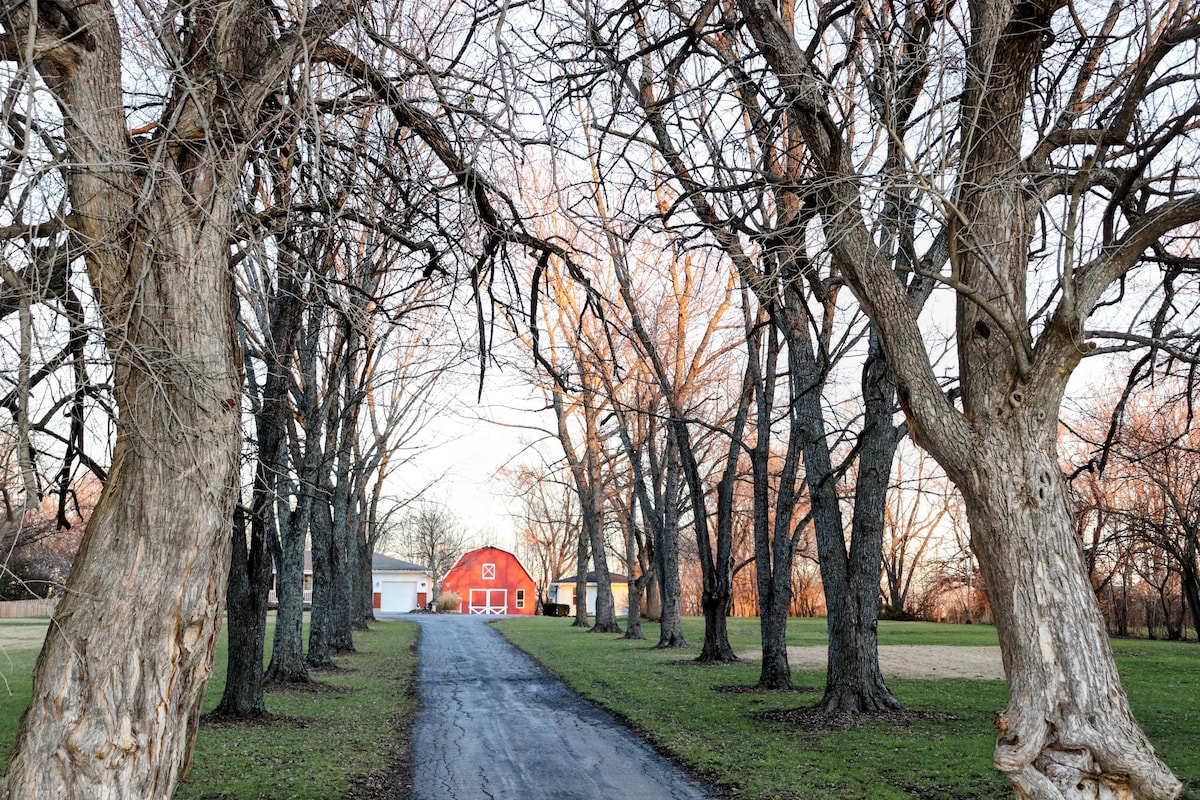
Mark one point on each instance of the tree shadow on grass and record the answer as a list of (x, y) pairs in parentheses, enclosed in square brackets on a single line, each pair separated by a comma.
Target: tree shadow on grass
[(239, 721), (744, 688), (812, 719)]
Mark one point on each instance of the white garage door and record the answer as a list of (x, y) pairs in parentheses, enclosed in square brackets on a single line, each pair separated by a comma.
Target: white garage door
[(397, 596)]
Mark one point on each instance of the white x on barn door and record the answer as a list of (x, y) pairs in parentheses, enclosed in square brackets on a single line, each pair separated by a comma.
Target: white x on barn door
[(488, 601)]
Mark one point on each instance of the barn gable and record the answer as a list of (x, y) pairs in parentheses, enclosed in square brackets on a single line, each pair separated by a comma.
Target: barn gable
[(489, 580)]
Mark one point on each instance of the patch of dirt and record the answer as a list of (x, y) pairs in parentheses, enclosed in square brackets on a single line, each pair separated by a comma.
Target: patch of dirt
[(911, 661), (22, 635), (814, 720)]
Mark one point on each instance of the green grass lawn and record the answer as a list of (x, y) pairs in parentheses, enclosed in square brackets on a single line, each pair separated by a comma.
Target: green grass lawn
[(943, 753), (324, 743), (20, 641)]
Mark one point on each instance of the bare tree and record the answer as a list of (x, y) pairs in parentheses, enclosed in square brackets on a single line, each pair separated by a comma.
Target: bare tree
[(153, 215), (918, 504), (548, 522), (430, 535), (578, 402), (743, 193), (1147, 496), (1061, 135)]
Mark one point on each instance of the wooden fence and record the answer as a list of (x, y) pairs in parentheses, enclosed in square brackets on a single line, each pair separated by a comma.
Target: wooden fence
[(12, 609)]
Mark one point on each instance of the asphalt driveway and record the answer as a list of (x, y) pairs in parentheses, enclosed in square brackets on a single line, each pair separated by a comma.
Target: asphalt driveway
[(495, 726)]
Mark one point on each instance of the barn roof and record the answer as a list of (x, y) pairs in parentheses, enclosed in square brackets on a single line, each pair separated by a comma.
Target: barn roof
[(470, 553)]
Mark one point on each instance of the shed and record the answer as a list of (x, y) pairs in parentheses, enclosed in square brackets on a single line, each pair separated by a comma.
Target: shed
[(563, 591), (489, 580), (398, 587)]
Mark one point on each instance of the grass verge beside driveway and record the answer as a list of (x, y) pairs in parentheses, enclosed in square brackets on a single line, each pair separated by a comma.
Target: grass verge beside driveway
[(344, 741), (737, 739)]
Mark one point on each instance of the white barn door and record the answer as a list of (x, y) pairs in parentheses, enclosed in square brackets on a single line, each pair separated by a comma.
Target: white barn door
[(488, 601)]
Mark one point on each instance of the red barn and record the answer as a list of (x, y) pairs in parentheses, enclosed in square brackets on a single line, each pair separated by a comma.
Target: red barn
[(491, 581)]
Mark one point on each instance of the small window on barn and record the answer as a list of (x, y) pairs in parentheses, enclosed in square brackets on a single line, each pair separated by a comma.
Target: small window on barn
[(520, 598), (489, 572)]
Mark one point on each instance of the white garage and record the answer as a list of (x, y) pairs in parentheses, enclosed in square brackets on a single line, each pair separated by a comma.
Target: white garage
[(398, 586)]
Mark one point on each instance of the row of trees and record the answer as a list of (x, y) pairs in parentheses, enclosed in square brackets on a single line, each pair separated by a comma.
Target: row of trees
[(945, 206), (1135, 517), (1138, 501), (1005, 164), (217, 215)]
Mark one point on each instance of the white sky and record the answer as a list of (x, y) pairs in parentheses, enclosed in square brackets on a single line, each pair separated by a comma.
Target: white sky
[(471, 442)]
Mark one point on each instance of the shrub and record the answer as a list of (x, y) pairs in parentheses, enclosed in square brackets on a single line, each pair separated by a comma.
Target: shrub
[(447, 601), (556, 609), (890, 612)]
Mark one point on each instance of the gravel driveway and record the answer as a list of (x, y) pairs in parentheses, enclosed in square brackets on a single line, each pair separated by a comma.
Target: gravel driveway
[(496, 726)]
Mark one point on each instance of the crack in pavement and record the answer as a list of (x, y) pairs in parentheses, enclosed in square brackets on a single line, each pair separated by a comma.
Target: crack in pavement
[(494, 725)]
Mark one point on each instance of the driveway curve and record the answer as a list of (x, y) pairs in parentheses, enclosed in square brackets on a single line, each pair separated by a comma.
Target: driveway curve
[(494, 725)]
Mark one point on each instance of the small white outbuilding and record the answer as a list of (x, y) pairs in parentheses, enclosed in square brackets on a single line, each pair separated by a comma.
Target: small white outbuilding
[(398, 587)]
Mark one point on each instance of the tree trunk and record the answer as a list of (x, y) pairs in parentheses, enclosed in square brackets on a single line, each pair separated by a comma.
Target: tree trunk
[(585, 474), (116, 683), (774, 546), (652, 602), (250, 566), (122, 674), (367, 540), (1189, 581), (633, 624), (581, 556), (320, 532), (716, 563), (775, 672), (1068, 730), (363, 586), (606, 612), (342, 550), (717, 596), (343, 567), (855, 682), (716, 648), (666, 549), (131, 650), (287, 663), (320, 626), (246, 607), (773, 549), (1123, 608), (659, 513)]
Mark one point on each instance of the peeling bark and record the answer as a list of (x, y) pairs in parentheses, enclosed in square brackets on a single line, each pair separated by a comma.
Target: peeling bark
[(1068, 731)]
